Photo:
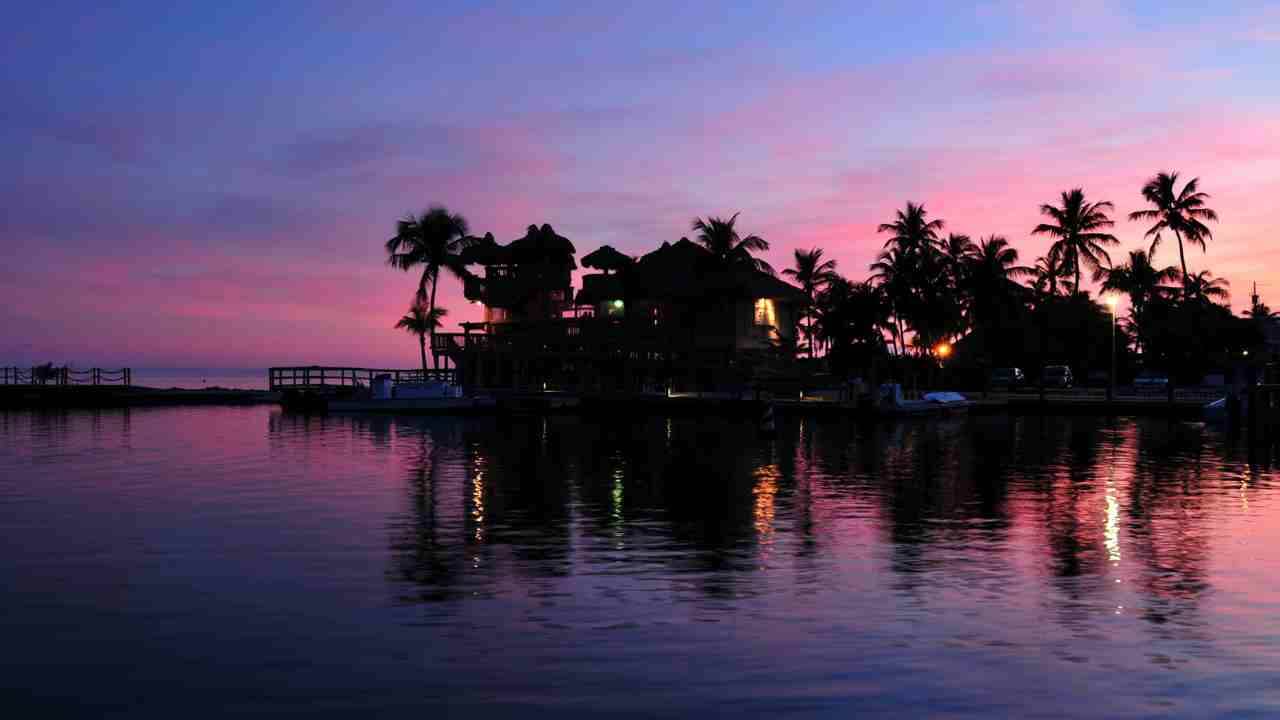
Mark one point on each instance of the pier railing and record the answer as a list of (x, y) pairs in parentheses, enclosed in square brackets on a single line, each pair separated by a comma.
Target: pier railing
[(315, 377), (47, 375)]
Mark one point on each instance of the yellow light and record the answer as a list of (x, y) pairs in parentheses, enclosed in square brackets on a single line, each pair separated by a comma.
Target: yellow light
[(1112, 301), (943, 350), (617, 304)]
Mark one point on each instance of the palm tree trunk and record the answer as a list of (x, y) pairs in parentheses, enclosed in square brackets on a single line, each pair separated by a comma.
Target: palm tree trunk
[(422, 347), (1183, 259), (435, 283)]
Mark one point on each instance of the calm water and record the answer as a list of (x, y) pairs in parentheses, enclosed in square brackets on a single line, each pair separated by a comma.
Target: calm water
[(179, 562), (201, 378)]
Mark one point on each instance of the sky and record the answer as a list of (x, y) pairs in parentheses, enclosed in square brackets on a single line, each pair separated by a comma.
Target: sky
[(211, 184)]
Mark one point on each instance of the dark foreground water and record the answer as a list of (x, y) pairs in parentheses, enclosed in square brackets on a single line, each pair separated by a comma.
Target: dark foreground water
[(190, 562)]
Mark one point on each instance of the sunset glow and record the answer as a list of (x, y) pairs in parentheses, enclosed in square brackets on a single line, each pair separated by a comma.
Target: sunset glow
[(226, 206)]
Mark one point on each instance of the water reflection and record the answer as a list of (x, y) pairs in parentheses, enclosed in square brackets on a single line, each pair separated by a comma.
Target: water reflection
[(488, 502), (882, 556)]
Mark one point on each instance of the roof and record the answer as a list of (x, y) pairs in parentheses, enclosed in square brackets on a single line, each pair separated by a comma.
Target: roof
[(685, 269), (606, 258), (539, 244)]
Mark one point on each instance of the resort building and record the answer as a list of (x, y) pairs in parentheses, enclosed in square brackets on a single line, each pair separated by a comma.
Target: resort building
[(673, 320)]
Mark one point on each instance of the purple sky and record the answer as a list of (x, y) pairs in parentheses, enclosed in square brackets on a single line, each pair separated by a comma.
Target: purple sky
[(211, 186)]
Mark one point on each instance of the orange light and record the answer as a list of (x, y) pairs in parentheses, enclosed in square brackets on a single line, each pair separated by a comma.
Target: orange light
[(943, 350)]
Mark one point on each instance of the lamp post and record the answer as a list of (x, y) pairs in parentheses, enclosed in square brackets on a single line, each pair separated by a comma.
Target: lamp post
[(1111, 379)]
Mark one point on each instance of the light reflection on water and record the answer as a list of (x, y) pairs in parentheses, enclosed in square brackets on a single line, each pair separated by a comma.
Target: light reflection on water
[(244, 560)]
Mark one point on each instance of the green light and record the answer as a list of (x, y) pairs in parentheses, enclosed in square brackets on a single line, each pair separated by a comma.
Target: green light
[(617, 304)]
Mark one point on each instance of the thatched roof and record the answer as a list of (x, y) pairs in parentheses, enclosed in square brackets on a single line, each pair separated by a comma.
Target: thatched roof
[(686, 269), (539, 244), (606, 258)]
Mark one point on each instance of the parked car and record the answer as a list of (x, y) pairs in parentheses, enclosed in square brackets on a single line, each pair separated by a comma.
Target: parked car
[(1151, 380), (1057, 376), (1011, 378)]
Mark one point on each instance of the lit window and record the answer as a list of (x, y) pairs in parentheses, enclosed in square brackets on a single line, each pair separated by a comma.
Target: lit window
[(614, 308), (765, 313)]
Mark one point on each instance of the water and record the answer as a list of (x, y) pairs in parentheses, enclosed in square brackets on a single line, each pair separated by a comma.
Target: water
[(191, 561), (201, 378)]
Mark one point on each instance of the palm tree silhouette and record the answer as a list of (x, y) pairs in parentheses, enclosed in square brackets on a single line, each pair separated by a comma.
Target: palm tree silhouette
[(990, 275), (852, 314), (1203, 287), (1047, 273), (813, 274), (1075, 226), (1180, 211), (720, 237), (893, 272), (912, 231), (908, 270), (1142, 282), (422, 321), (433, 241)]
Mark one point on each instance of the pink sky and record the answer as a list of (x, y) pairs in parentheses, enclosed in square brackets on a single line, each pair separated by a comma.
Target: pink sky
[(223, 203)]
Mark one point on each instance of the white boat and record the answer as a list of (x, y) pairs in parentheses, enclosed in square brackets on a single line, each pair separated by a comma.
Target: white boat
[(935, 403), (387, 396)]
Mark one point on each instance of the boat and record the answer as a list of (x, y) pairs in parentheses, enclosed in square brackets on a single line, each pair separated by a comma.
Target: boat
[(432, 397), (893, 404)]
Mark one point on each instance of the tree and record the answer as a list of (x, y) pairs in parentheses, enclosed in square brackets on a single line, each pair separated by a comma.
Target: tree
[(892, 272), (912, 231), (1180, 211), (852, 318), (1204, 288), (1075, 228), (912, 271), (1048, 273), (1142, 282), (721, 238), (433, 241), (989, 278), (421, 321), (813, 274)]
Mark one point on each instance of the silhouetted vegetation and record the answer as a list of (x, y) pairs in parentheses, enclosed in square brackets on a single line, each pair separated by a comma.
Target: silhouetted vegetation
[(927, 289), (422, 322)]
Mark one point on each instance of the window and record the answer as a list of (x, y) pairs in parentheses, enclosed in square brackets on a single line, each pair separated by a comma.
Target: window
[(765, 313), (614, 308)]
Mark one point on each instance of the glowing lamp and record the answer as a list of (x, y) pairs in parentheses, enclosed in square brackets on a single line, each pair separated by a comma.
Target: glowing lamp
[(943, 350)]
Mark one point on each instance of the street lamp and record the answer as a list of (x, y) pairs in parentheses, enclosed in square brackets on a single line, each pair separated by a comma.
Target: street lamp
[(1112, 301)]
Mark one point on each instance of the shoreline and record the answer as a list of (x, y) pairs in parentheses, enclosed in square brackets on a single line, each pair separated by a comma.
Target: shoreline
[(103, 396)]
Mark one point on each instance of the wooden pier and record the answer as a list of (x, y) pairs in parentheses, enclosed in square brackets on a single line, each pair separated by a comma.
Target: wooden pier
[(42, 375), (320, 378)]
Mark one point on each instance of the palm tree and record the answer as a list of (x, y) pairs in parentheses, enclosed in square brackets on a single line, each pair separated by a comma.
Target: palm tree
[(1075, 226), (912, 231), (852, 315), (1142, 282), (989, 277), (1048, 272), (719, 236), (912, 272), (893, 272), (813, 274), (1203, 287), (1180, 211), (433, 241), (421, 321)]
